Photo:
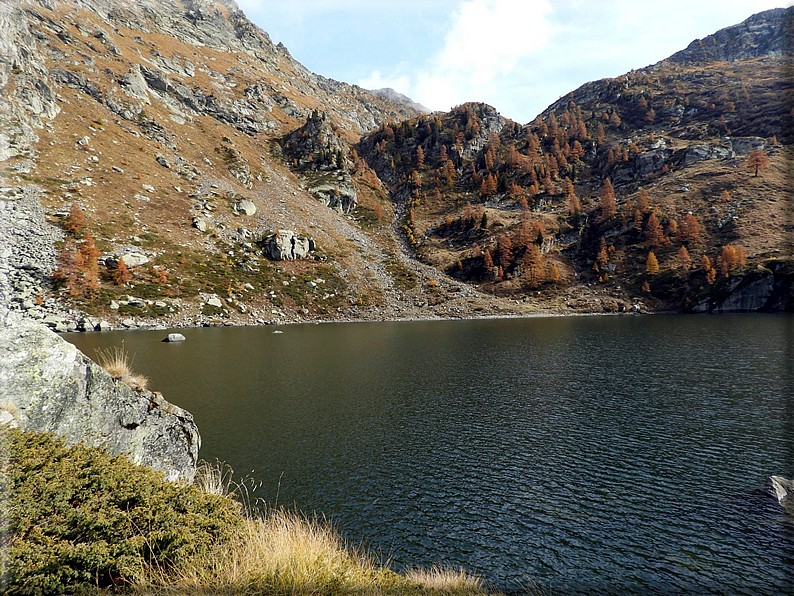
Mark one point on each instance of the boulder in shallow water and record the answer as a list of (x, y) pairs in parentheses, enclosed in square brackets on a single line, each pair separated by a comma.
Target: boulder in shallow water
[(782, 490), (174, 337)]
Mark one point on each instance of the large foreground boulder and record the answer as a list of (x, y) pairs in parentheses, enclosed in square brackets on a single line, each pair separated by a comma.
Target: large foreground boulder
[(46, 384)]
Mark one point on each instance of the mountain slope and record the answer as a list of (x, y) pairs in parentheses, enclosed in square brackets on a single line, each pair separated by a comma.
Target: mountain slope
[(673, 140), (160, 120)]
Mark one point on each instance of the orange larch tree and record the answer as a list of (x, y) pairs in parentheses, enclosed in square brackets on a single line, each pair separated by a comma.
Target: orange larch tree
[(757, 161), (651, 264), (607, 200)]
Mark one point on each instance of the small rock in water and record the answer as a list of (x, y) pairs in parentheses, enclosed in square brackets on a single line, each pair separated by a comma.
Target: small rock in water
[(279, 332), (174, 337)]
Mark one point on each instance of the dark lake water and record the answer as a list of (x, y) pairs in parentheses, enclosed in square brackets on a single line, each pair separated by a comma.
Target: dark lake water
[(586, 454)]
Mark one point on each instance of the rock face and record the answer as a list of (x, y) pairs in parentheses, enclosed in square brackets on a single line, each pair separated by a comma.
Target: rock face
[(763, 34), (319, 155), (47, 385), (285, 245), (767, 289)]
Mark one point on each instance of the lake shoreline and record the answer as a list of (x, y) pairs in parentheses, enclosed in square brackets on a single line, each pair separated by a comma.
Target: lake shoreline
[(203, 324)]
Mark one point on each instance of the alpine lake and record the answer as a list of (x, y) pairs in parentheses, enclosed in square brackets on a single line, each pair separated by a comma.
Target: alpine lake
[(609, 455)]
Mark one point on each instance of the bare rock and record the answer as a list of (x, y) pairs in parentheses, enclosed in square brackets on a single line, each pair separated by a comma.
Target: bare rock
[(286, 245), (246, 206), (174, 337), (48, 385)]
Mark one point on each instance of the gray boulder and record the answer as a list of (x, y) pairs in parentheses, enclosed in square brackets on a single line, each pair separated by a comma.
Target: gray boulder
[(133, 257), (47, 385), (782, 490), (174, 337), (200, 224), (286, 245), (246, 206)]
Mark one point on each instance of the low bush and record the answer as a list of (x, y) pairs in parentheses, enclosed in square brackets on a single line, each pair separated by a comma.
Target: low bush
[(78, 518)]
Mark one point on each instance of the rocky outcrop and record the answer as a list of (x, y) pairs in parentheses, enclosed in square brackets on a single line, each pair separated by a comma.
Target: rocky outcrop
[(766, 289), (47, 385), (286, 245), (319, 156), (764, 34), (396, 97)]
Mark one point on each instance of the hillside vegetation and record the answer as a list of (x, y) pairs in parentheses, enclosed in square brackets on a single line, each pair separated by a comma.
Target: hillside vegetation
[(651, 185)]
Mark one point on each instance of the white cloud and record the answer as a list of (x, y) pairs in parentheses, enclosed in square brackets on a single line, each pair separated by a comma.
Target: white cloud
[(486, 40), (517, 55), (375, 80)]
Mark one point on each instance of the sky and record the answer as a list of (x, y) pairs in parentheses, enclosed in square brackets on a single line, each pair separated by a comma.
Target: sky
[(517, 55)]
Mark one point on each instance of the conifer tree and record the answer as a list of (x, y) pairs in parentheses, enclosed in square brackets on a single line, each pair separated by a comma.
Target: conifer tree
[(487, 260), (602, 258), (75, 221), (567, 187), (574, 206), (690, 229), (607, 200), (683, 258), (554, 273), (121, 274), (757, 161), (532, 266), (654, 236), (651, 264), (643, 201), (89, 254), (504, 248)]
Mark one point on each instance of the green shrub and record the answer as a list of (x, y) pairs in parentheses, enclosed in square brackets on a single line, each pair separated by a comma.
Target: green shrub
[(79, 518)]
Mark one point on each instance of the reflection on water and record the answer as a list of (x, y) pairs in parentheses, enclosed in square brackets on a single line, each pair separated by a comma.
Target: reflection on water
[(608, 454)]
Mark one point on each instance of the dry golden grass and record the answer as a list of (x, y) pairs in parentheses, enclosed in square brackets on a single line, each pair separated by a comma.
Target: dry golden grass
[(117, 363), (445, 580), (285, 552)]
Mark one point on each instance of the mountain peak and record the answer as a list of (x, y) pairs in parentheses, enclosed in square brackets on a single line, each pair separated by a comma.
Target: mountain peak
[(389, 94), (766, 34)]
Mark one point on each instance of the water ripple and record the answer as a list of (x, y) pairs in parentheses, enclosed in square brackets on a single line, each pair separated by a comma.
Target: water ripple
[(589, 455)]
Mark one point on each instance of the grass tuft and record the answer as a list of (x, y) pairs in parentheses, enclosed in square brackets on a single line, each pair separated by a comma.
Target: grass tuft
[(445, 580), (117, 363)]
